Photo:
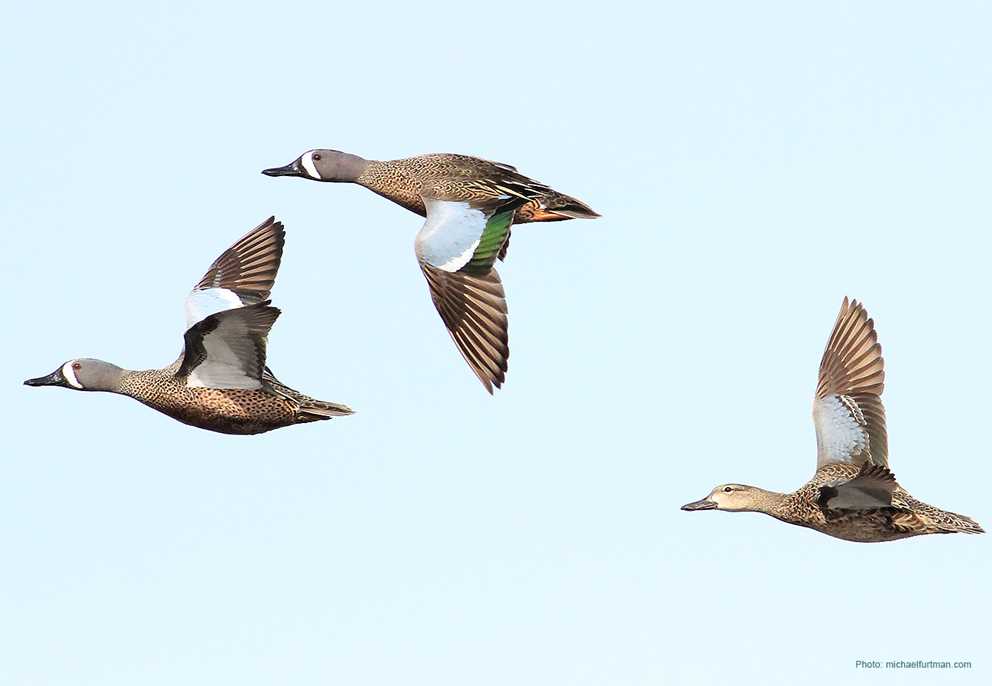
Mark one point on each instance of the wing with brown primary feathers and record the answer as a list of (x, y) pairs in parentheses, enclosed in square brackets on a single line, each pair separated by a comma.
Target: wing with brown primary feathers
[(847, 410), (473, 308), (249, 267)]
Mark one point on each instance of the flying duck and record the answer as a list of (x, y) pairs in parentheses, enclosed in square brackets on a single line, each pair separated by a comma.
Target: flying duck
[(469, 205), (220, 381)]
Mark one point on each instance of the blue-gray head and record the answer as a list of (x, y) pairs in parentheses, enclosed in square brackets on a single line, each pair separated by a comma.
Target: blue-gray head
[(323, 165), (83, 374)]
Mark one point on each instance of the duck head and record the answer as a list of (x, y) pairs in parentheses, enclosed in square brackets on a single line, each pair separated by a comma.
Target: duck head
[(322, 165), (732, 498), (82, 374)]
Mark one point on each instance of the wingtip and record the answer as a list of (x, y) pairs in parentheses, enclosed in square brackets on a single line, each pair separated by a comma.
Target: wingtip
[(279, 228), (270, 222), (490, 383)]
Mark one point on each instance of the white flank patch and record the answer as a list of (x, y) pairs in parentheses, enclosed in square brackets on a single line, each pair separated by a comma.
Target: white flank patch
[(70, 375), (307, 162), (450, 235), (839, 436)]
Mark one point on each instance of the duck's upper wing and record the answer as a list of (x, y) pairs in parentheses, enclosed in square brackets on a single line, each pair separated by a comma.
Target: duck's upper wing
[(456, 249), (228, 316), (242, 275), (847, 409), (227, 349)]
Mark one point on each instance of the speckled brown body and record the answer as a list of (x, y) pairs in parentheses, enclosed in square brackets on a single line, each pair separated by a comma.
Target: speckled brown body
[(907, 516), (402, 180), (853, 494), (229, 411)]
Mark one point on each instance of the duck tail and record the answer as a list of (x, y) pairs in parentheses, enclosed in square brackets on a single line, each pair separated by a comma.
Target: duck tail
[(321, 409), (952, 522), (308, 409), (967, 525), (556, 207)]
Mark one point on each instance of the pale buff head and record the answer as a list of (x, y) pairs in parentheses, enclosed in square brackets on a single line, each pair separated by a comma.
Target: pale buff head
[(735, 498)]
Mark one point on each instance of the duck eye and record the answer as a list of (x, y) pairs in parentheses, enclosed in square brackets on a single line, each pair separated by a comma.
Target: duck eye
[(727, 489), (77, 366), (316, 157)]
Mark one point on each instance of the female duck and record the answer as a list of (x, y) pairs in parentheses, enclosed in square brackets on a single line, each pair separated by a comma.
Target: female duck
[(852, 495)]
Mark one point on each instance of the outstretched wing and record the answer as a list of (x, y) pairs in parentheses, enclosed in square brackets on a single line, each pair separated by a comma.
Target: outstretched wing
[(872, 488), (242, 275), (456, 249), (847, 410), (227, 349)]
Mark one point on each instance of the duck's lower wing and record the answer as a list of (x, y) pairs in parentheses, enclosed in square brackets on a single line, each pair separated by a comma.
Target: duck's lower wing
[(473, 308), (456, 249), (873, 506), (871, 489)]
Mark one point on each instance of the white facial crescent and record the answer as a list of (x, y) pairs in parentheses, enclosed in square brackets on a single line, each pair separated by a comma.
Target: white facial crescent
[(70, 375), (311, 168)]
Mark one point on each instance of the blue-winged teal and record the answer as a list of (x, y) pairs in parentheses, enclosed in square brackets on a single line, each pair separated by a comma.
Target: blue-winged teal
[(852, 495), (220, 381), (470, 178), (470, 205)]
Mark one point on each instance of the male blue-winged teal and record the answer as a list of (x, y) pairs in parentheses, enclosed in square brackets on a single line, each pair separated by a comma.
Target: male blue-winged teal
[(852, 495), (220, 381), (470, 205)]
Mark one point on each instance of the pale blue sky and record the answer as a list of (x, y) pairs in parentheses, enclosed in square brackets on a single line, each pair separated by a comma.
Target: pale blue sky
[(753, 162)]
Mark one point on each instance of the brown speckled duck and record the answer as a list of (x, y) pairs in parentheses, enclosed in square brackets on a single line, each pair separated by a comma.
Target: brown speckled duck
[(852, 495), (470, 177), (470, 205), (220, 381)]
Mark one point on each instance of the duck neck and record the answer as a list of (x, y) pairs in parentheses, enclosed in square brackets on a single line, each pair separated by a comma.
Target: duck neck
[(105, 377), (350, 168), (136, 383), (394, 181), (770, 502), (785, 508)]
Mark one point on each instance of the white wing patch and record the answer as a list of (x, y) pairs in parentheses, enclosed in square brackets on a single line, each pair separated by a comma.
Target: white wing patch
[(311, 168), (231, 355), (840, 429), (202, 303), (450, 235), (459, 261)]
